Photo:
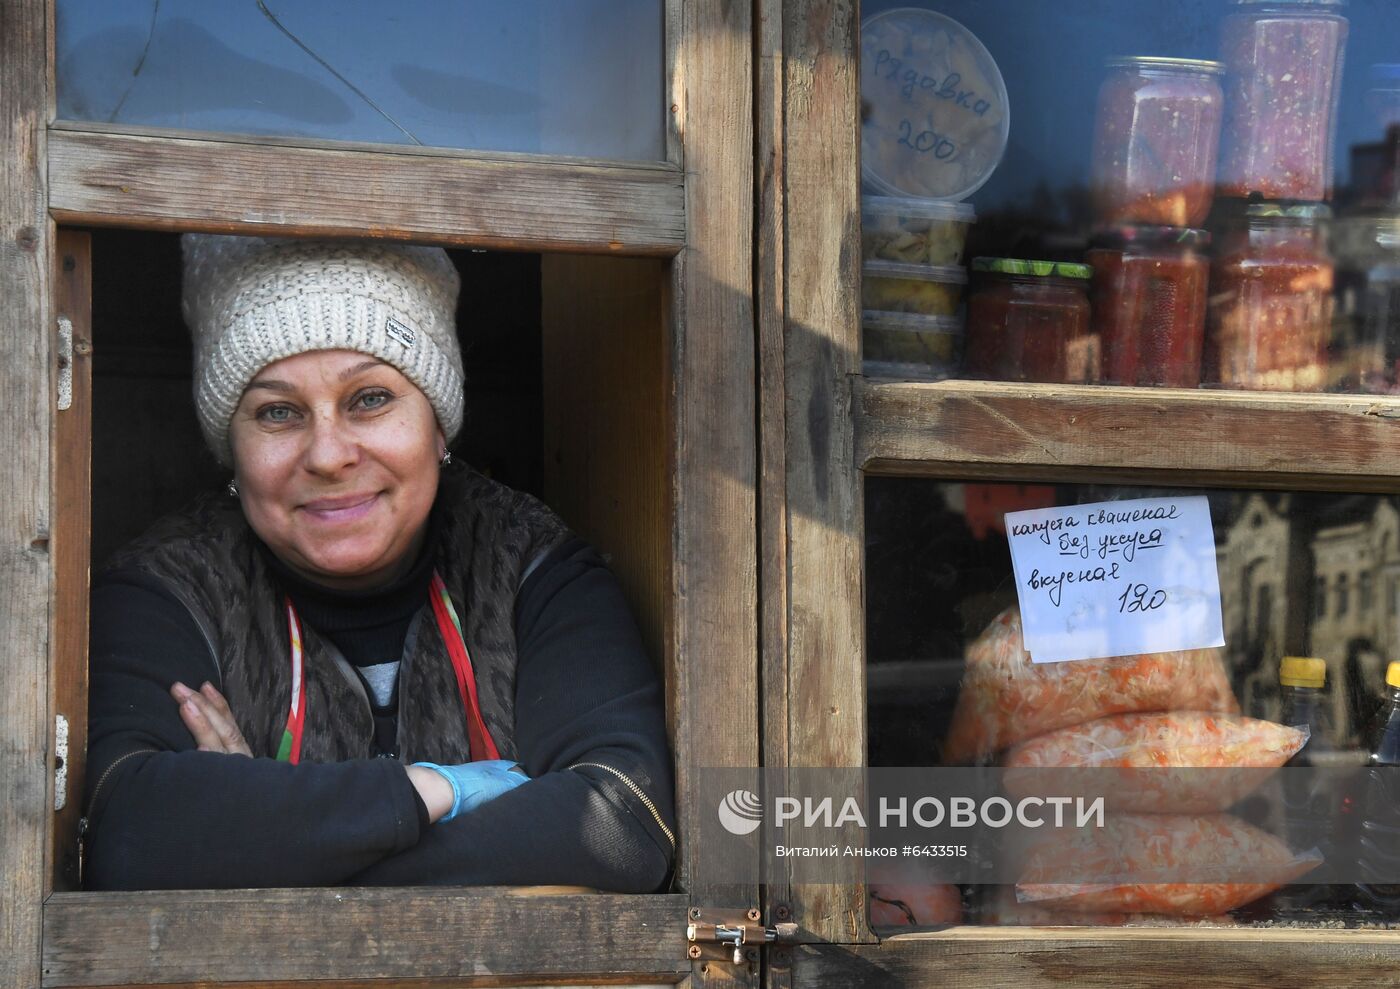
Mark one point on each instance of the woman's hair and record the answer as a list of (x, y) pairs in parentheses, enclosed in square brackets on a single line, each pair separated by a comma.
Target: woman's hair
[(250, 301)]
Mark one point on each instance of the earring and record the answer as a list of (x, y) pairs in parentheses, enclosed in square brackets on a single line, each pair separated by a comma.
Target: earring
[(232, 489), (446, 458)]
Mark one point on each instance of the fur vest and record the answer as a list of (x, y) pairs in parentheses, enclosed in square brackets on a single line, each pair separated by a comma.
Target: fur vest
[(209, 559)]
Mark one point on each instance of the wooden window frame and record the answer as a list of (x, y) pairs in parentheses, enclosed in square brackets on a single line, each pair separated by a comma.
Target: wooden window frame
[(823, 427), (693, 210)]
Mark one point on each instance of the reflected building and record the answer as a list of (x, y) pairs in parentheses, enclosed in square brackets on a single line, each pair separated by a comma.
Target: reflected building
[(1294, 581)]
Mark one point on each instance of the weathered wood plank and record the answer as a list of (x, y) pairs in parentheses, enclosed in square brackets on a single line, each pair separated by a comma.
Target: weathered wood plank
[(497, 934), (1311, 439), (26, 585), (72, 524), (606, 420), (499, 201), (1147, 959), (714, 637), (826, 660)]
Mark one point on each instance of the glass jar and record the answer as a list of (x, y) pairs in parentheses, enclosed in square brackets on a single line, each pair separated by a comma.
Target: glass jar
[(1029, 321), (1156, 138), (1269, 321), (1283, 80), (1149, 304), (1366, 326)]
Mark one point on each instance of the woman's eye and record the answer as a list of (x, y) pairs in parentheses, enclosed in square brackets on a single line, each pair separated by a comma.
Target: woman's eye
[(276, 414), (371, 400)]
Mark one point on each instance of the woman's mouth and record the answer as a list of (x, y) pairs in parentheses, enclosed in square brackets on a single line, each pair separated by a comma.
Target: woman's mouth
[(336, 511)]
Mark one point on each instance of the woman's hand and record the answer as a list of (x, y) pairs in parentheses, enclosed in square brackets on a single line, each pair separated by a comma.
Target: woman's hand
[(206, 714), (451, 790)]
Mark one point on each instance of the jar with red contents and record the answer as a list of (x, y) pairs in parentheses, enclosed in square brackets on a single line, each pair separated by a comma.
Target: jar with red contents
[(1283, 79), (1149, 303), (1029, 321), (1156, 139), (1269, 321)]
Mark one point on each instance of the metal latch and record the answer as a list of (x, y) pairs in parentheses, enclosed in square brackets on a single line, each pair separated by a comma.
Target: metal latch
[(743, 935)]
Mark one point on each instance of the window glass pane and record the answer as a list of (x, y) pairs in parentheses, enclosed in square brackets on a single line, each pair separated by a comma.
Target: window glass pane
[(1217, 186), (951, 685), (577, 78)]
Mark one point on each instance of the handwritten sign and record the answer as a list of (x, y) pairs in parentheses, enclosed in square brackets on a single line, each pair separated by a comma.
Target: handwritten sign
[(1117, 578)]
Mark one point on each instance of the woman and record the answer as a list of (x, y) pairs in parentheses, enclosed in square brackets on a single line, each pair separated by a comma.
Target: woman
[(435, 681)]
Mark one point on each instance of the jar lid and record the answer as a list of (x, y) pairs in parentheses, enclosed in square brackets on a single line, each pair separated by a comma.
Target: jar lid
[(950, 274), (1156, 62), (1302, 671), (934, 113), (1147, 236), (929, 209), (910, 322), (1289, 211), (1021, 266)]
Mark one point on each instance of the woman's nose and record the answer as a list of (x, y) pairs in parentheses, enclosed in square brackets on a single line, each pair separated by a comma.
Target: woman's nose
[(331, 446)]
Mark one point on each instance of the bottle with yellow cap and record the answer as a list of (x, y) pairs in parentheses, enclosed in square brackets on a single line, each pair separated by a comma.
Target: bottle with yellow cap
[(1302, 680), (1308, 809), (1378, 850)]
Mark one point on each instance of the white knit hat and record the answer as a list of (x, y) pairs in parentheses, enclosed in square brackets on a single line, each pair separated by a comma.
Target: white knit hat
[(250, 301)]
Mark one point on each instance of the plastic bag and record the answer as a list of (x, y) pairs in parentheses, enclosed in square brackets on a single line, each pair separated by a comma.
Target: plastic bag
[(1191, 762), (1128, 866), (1007, 699), (913, 904), (1002, 909)]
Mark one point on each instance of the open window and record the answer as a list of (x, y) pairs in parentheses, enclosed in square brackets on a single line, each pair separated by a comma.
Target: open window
[(618, 372)]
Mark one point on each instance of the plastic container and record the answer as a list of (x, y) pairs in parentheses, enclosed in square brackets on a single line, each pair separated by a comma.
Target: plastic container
[(907, 345), (929, 290), (934, 113), (1269, 320), (914, 231), (1156, 139), (1283, 80), (1029, 321), (1149, 304)]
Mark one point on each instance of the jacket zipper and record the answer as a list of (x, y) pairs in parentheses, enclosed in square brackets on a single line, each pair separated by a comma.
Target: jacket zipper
[(96, 792), (637, 792)]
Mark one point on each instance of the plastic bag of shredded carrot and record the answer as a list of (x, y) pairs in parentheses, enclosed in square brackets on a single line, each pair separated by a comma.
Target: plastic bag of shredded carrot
[(1003, 910), (912, 904), (1127, 866), (1007, 699), (1188, 762)]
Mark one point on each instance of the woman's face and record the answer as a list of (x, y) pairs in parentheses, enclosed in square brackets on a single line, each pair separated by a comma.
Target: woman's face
[(336, 457)]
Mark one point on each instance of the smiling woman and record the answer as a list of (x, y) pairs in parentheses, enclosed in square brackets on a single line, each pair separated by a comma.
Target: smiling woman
[(366, 664)]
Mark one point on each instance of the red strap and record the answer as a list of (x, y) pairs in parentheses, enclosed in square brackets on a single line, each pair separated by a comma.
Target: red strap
[(482, 746)]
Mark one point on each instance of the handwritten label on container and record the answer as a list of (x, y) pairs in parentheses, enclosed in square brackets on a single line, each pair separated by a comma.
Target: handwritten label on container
[(1117, 578)]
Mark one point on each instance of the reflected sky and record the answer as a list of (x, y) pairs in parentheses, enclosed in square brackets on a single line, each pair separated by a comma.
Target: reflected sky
[(1051, 54), (582, 78)]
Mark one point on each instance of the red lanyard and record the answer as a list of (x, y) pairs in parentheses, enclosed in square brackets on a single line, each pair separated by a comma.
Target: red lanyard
[(449, 625)]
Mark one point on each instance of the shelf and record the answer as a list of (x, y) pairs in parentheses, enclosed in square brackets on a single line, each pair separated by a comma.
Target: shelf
[(1004, 431)]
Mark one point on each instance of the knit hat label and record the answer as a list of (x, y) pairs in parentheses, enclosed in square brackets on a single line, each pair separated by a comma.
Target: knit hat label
[(399, 332)]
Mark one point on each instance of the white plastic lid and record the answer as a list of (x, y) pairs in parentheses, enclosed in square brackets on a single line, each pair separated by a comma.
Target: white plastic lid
[(950, 274), (926, 209), (935, 118), (909, 322)]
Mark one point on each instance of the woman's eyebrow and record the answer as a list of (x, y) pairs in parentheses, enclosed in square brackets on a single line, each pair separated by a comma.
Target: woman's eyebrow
[(350, 372), (271, 384)]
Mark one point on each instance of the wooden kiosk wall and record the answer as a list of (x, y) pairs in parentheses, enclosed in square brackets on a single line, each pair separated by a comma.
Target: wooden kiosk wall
[(724, 473)]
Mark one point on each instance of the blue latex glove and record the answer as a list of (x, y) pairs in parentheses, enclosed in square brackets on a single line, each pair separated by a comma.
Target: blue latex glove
[(476, 783)]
